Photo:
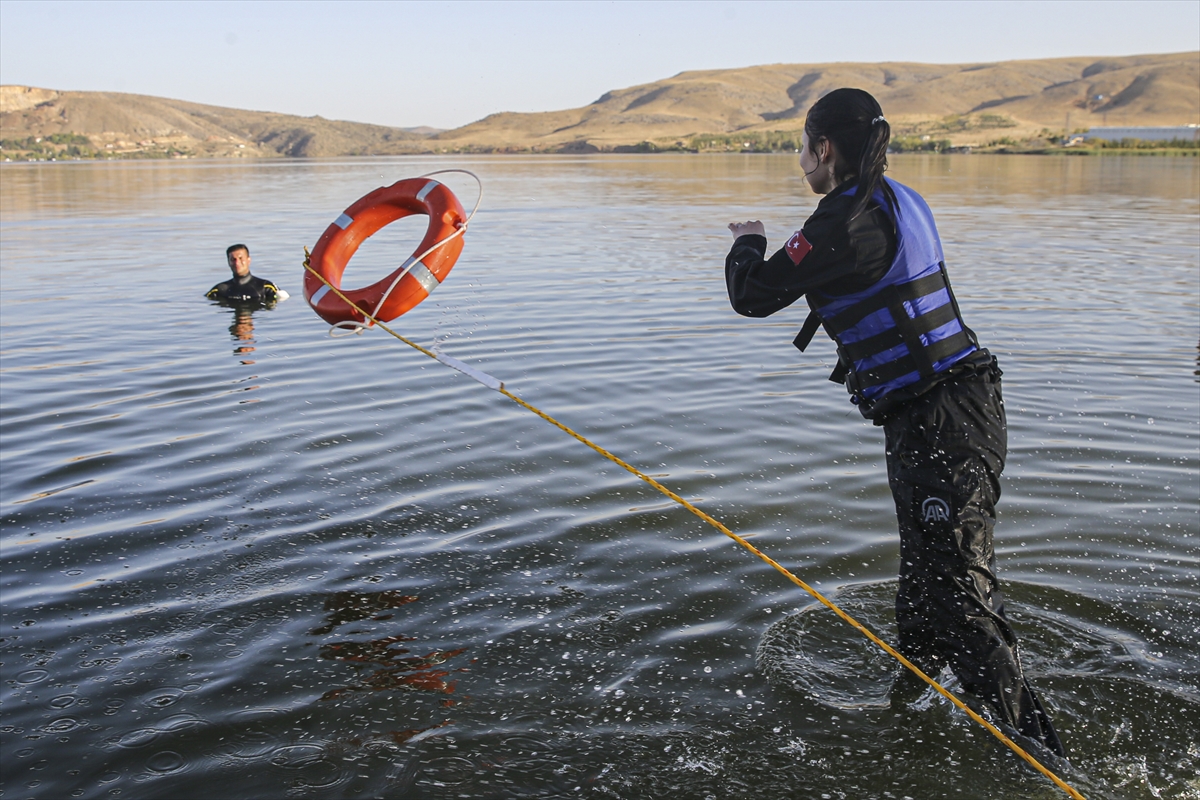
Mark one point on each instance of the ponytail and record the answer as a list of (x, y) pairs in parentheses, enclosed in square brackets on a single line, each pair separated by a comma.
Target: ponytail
[(854, 122), (871, 166)]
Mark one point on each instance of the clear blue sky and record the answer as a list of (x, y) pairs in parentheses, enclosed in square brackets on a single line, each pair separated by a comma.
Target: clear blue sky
[(448, 63)]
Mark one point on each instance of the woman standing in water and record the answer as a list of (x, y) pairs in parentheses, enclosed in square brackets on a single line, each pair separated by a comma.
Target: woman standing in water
[(870, 264)]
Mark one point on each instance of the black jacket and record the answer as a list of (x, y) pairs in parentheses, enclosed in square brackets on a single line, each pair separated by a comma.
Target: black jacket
[(847, 255), (252, 290)]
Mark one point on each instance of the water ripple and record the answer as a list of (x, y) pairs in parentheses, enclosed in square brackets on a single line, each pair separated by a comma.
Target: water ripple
[(199, 588)]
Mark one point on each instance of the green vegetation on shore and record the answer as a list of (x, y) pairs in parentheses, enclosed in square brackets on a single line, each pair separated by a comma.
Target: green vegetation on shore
[(74, 147), (1048, 143), (37, 148), (750, 142), (1093, 147), (77, 147), (1144, 144)]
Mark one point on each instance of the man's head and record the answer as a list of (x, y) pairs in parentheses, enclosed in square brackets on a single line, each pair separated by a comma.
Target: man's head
[(238, 256)]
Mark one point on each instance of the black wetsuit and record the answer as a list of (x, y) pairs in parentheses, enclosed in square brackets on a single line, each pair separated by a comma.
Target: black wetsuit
[(244, 290), (946, 438)]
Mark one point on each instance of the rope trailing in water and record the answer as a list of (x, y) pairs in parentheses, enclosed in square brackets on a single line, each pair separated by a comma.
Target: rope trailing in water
[(493, 383)]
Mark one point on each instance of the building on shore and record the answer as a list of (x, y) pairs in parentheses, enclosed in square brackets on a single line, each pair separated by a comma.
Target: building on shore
[(1159, 134)]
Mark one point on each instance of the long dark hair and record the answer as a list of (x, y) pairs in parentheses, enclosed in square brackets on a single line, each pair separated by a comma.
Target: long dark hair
[(853, 121)]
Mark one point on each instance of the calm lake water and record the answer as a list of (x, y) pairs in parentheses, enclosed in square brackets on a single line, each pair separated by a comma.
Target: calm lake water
[(242, 559)]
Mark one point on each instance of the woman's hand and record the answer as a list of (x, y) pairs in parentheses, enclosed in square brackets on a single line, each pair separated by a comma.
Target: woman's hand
[(747, 228)]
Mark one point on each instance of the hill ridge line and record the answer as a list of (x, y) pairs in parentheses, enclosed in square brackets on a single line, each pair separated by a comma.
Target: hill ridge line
[(962, 104)]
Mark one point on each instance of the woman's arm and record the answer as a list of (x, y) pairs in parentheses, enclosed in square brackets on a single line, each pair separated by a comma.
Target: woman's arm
[(758, 287), (827, 254)]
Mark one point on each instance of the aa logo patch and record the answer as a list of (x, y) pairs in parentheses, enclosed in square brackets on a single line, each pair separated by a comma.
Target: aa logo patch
[(935, 509)]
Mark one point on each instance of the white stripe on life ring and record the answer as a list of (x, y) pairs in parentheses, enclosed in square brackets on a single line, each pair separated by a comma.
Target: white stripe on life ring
[(317, 295), (424, 192), (343, 221), (427, 279)]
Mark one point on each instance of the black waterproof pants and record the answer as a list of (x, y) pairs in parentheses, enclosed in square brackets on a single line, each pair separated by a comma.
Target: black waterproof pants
[(945, 452)]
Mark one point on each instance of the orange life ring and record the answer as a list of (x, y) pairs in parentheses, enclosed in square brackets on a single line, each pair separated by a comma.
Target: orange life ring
[(362, 219)]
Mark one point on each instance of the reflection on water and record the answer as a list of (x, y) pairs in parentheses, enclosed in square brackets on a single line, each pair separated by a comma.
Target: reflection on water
[(242, 331), (416, 673), (381, 579), (355, 606), (392, 669)]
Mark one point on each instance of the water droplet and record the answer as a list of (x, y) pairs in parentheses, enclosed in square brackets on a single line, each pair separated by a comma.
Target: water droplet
[(165, 761), (61, 725), (162, 698), (138, 738)]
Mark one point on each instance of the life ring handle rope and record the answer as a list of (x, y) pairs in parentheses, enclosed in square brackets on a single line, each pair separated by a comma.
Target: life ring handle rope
[(351, 327)]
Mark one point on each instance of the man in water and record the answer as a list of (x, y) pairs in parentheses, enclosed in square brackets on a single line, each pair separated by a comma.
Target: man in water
[(244, 287)]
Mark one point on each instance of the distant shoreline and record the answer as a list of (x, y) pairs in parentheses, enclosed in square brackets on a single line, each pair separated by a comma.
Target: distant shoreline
[(1099, 152)]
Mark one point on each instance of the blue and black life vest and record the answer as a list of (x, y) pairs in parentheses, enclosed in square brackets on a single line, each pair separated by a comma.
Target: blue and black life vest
[(904, 328)]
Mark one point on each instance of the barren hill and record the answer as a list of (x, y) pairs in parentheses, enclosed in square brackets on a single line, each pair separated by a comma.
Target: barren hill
[(968, 103), (117, 123), (1024, 95)]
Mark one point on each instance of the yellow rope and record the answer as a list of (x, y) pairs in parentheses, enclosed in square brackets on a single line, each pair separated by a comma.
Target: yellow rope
[(1016, 748)]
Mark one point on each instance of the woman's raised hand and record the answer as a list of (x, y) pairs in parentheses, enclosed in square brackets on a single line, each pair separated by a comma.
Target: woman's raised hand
[(747, 228)]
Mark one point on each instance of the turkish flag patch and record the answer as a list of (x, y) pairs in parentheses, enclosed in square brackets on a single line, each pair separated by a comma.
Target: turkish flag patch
[(797, 247)]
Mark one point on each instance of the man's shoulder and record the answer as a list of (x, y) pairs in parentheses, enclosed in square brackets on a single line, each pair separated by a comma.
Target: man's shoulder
[(218, 290), (259, 283), (272, 287)]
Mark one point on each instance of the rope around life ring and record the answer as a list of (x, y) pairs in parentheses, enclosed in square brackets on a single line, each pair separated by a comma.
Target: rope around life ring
[(413, 280)]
